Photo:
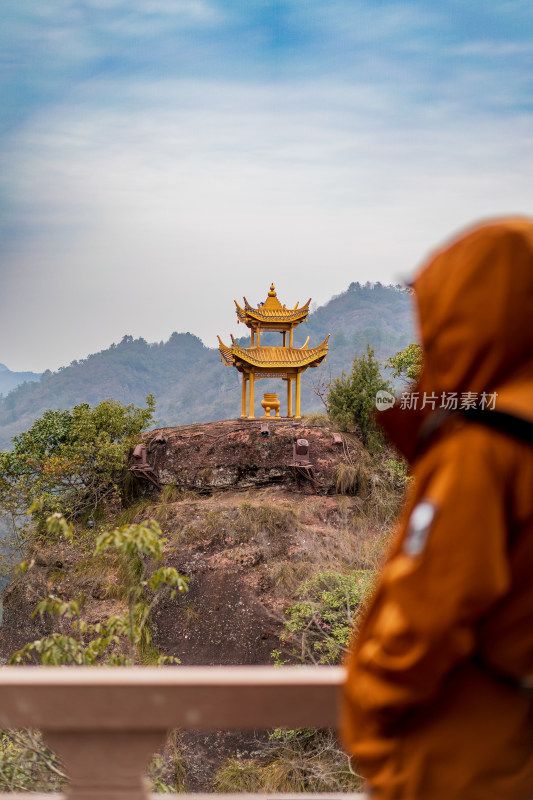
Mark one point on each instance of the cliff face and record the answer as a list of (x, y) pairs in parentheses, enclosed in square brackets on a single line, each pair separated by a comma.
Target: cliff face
[(242, 523), (234, 454), (23, 593), (245, 554), (244, 539), (246, 529)]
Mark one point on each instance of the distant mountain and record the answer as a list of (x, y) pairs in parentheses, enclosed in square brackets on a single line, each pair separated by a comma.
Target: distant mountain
[(10, 380), (188, 380)]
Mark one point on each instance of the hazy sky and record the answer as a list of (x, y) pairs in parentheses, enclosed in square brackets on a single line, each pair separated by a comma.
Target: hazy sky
[(161, 157)]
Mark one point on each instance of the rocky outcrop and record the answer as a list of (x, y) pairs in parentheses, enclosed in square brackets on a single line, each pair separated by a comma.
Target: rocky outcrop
[(234, 454)]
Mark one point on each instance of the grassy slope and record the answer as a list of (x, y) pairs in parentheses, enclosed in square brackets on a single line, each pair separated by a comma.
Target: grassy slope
[(246, 554)]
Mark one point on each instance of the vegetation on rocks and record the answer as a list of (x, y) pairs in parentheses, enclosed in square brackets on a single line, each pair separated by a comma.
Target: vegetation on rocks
[(138, 547), (272, 569), (320, 623), (70, 462), (352, 398), (301, 760)]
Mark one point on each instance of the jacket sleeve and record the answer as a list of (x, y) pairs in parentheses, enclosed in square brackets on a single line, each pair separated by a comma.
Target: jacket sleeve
[(434, 589)]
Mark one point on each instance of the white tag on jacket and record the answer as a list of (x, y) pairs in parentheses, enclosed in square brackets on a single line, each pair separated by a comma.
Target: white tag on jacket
[(418, 528)]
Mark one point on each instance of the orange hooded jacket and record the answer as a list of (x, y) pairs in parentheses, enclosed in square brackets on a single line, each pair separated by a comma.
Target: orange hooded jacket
[(432, 706)]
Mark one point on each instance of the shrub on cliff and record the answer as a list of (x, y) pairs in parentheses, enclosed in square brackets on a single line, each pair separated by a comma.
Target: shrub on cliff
[(70, 461), (351, 398), (320, 623)]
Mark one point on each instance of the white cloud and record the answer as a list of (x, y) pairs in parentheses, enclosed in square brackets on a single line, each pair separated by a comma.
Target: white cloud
[(153, 217), (138, 203), (151, 214)]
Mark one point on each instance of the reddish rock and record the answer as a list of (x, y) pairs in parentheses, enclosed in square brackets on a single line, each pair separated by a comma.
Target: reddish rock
[(233, 454)]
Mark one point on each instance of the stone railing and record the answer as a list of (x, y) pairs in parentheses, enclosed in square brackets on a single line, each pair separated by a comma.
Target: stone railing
[(106, 723)]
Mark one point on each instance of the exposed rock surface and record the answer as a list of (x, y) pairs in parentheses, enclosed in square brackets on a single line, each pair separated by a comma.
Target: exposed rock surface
[(244, 554), (233, 454)]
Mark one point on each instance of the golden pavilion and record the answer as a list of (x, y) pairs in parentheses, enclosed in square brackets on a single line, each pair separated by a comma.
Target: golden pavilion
[(286, 362)]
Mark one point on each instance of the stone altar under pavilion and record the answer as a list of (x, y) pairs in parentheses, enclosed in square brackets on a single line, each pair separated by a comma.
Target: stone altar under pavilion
[(286, 362)]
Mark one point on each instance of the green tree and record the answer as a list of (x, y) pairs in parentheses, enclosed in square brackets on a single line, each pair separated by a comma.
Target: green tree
[(351, 398), (406, 363), (70, 461)]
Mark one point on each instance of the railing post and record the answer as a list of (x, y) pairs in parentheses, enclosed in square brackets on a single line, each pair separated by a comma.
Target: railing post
[(106, 764), (106, 723)]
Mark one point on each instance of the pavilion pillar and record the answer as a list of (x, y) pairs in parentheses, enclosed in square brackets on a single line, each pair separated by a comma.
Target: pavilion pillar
[(289, 396), (298, 386), (251, 396), (243, 404), (290, 337), (258, 336), (284, 338), (252, 338)]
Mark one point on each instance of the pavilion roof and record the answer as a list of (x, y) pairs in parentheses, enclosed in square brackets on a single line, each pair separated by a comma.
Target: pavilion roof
[(271, 311), (273, 357)]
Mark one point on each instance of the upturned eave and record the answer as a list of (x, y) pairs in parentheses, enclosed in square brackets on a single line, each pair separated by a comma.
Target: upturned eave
[(268, 358)]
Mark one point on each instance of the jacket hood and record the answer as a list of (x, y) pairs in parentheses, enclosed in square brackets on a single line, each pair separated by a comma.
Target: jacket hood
[(475, 312)]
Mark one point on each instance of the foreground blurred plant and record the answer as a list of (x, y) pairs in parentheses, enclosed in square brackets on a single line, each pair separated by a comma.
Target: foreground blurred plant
[(140, 547), (27, 765)]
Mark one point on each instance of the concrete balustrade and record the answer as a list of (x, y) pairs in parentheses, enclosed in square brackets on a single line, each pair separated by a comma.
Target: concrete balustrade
[(106, 723)]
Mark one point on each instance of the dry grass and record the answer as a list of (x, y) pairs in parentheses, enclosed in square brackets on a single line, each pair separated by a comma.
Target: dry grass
[(55, 575), (371, 479), (100, 576), (167, 506), (190, 617), (344, 549), (318, 421), (304, 760), (286, 575), (353, 479), (270, 518), (167, 769), (129, 515), (189, 534), (271, 528), (109, 573), (346, 542)]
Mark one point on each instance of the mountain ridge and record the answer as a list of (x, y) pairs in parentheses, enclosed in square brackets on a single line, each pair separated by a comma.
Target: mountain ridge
[(10, 379)]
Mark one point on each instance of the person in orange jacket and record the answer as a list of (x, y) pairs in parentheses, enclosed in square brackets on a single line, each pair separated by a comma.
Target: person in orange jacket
[(438, 699)]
